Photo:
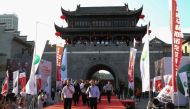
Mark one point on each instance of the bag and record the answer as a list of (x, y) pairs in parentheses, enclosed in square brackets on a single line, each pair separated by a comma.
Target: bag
[(83, 90)]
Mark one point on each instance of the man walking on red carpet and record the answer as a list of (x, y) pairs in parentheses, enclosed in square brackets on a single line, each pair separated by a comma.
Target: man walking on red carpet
[(109, 90), (94, 94), (67, 94)]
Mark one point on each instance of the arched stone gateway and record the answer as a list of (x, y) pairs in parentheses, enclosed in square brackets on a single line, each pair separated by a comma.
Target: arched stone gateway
[(84, 61), (100, 37), (92, 70)]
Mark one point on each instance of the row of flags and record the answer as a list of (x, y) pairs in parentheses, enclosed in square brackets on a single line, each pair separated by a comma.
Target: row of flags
[(170, 88), (61, 63), (39, 80), (144, 65), (19, 83), (34, 83), (42, 80), (19, 79), (167, 93)]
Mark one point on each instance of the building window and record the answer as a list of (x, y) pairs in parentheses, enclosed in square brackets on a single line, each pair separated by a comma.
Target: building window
[(93, 23), (116, 23), (77, 24)]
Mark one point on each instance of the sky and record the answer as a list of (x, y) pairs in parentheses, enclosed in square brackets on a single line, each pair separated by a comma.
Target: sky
[(37, 17)]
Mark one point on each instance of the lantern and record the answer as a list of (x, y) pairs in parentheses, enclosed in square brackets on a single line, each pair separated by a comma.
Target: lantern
[(58, 34), (141, 16), (63, 17), (149, 31)]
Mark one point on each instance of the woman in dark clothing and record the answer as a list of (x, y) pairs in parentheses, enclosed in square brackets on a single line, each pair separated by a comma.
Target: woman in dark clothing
[(83, 87), (52, 94), (76, 94)]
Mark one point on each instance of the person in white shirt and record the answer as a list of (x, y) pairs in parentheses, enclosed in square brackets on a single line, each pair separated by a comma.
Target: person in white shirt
[(67, 94), (109, 90), (94, 94)]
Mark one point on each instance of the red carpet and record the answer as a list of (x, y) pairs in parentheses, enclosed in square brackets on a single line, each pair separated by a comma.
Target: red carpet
[(115, 104)]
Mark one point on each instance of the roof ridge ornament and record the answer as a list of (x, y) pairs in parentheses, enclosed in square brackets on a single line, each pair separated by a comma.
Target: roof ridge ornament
[(78, 6), (127, 7)]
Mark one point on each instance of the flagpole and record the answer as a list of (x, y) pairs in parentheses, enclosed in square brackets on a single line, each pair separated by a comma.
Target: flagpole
[(172, 60), (149, 57), (35, 48), (134, 73), (149, 71), (33, 96), (149, 94)]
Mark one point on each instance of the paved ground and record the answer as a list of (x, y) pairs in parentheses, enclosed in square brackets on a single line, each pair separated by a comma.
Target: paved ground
[(115, 104), (143, 105)]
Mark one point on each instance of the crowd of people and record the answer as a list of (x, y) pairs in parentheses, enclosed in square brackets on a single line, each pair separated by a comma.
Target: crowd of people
[(23, 101), (10, 101), (90, 92)]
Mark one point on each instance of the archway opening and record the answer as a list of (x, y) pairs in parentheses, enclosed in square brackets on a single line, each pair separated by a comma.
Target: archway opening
[(103, 73)]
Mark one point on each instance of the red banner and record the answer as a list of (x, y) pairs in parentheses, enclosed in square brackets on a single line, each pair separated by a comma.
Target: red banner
[(59, 52), (131, 67), (157, 84), (22, 81), (176, 42), (5, 85)]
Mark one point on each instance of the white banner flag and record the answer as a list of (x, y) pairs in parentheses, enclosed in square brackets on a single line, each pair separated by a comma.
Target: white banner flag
[(183, 78), (165, 94), (167, 79), (31, 86), (64, 66), (145, 67), (15, 82)]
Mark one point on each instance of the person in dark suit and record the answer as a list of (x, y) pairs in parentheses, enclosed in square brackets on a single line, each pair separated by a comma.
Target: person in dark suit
[(109, 91), (97, 83), (76, 94)]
